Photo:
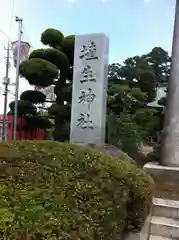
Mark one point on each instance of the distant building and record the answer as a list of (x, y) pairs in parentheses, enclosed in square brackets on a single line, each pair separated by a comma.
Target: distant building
[(161, 92)]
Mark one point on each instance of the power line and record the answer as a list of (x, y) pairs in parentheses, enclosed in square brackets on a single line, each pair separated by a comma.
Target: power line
[(5, 34), (10, 25)]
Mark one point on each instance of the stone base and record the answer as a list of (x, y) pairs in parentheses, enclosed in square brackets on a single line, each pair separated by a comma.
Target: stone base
[(166, 179), (113, 151)]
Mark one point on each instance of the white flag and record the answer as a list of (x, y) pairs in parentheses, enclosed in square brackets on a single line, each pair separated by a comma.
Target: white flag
[(24, 51)]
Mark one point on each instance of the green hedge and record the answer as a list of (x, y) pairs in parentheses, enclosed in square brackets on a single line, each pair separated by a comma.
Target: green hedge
[(52, 190)]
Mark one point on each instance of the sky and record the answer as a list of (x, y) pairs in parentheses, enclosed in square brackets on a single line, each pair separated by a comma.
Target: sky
[(134, 27)]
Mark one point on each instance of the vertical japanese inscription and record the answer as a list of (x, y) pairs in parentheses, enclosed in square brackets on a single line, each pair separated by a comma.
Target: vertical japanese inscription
[(88, 52), (87, 75), (87, 96), (88, 118)]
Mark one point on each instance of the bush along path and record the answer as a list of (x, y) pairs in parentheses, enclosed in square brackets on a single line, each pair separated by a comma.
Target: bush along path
[(52, 190)]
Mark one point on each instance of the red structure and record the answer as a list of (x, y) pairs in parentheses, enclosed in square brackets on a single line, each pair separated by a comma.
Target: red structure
[(37, 134)]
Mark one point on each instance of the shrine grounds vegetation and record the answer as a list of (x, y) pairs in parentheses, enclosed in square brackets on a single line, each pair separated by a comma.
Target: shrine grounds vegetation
[(52, 190)]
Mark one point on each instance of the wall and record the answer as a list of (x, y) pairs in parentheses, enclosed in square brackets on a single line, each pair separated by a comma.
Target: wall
[(38, 134)]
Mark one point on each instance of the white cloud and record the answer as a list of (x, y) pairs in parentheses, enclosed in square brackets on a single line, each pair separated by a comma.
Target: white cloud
[(147, 1)]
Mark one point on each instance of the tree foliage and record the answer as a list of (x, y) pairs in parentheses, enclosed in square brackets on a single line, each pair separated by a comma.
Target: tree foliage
[(23, 108), (161, 63), (38, 122), (122, 98), (33, 96), (132, 85), (68, 47), (39, 72), (26, 108), (114, 74), (162, 101), (53, 66), (149, 121), (129, 134), (54, 56), (52, 37), (146, 71)]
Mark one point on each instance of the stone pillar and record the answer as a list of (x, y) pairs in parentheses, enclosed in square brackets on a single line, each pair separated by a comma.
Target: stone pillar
[(170, 144), (89, 95)]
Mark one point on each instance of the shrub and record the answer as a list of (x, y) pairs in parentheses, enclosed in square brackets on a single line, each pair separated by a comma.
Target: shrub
[(129, 134), (52, 190)]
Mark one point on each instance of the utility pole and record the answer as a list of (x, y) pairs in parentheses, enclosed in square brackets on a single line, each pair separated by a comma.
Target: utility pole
[(6, 83), (170, 144), (19, 20)]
